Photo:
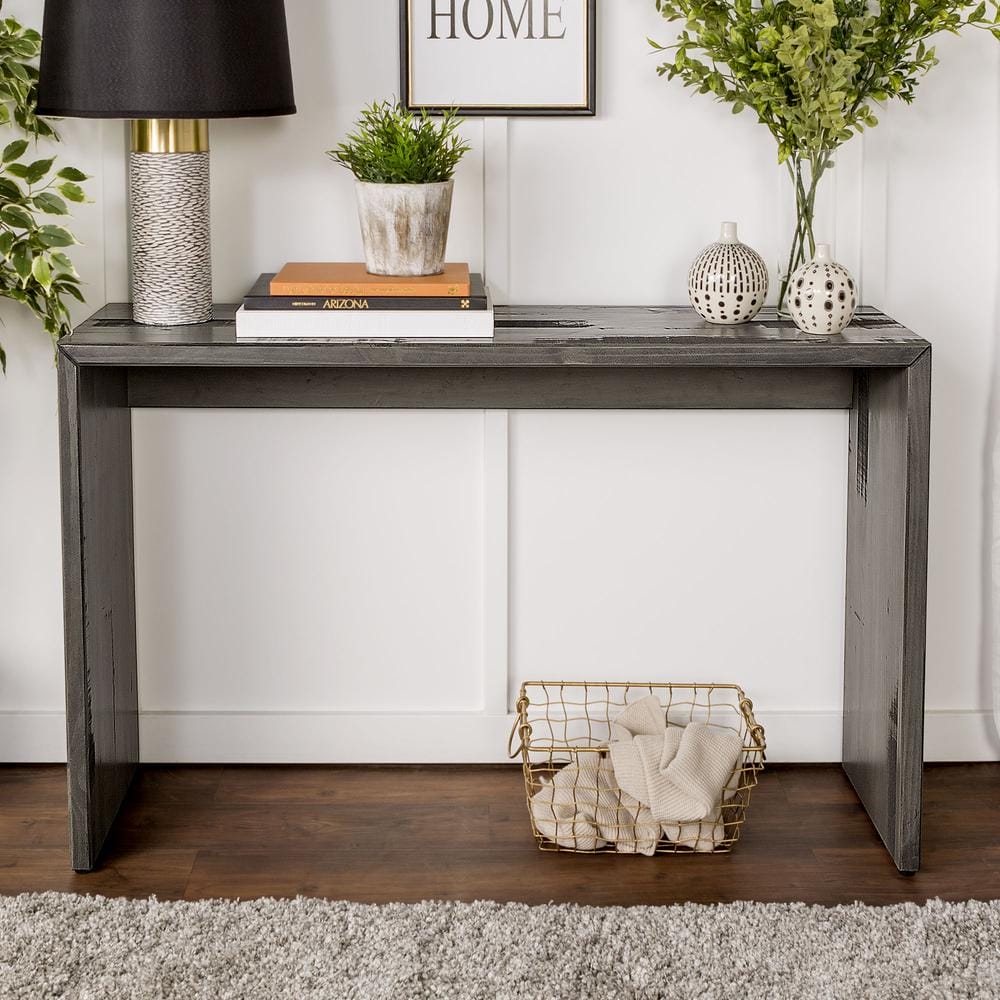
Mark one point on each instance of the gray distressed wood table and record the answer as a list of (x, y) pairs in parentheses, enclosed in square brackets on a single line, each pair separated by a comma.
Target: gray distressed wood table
[(557, 357)]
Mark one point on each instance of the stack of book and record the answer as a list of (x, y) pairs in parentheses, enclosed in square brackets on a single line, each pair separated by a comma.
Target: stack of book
[(319, 301)]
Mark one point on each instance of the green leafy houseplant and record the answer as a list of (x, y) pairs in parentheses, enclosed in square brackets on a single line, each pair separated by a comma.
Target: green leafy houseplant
[(33, 268), (391, 145), (811, 70)]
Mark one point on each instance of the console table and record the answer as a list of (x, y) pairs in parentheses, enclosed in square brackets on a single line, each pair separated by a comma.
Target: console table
[(541, 357)]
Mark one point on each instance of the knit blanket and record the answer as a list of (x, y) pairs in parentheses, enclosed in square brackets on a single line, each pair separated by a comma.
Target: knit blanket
[(679, 772), (582, 808), (659, 781)]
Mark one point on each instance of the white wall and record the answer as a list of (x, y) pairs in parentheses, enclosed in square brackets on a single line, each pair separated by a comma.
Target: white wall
[(375, 585)]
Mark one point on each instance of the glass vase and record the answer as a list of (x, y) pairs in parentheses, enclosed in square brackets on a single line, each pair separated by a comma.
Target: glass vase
[(806, 173)]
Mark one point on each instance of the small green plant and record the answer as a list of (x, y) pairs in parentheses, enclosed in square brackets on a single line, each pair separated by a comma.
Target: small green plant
[(391, 145), (33, 268), (811, 70)]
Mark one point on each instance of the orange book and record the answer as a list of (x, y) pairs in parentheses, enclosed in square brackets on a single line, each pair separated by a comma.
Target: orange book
[(354, 279)]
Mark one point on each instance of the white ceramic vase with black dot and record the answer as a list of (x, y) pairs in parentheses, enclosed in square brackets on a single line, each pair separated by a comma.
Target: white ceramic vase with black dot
[(727, 283), (822, 295)]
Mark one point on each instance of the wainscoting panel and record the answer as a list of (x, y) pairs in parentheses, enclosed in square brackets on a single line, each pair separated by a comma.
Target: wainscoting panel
[(681, 546), (291, 561), (375, 585)]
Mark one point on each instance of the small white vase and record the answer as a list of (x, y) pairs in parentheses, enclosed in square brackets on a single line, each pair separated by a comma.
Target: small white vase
[(822, 295), (727, 283)]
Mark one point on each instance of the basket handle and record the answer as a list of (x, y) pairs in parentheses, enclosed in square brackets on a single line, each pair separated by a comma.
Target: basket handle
[(520, 726), (756, 730), (511, 752)]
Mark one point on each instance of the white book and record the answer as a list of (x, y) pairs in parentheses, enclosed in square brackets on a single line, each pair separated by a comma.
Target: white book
[(360, 324)]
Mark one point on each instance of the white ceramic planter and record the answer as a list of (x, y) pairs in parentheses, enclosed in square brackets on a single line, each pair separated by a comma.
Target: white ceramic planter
[(404, 227)]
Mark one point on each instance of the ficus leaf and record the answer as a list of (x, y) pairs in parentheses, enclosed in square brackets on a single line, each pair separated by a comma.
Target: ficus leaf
[(21, 259), (63, 263), (69, 289), (41, 272), (9, 190), (72, 174), (38, 169), (50, 203), (55, 236), (24, 47), (18, 70), (16, 216), (72, 191), (14, 150)]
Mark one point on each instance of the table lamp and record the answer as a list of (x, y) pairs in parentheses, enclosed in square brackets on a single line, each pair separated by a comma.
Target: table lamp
[(169, 65)]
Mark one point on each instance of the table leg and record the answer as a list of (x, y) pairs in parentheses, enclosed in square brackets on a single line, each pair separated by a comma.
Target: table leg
[(102, 717), (887, 600)]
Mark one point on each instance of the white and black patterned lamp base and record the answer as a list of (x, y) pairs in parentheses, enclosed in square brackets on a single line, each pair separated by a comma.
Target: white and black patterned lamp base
[(727, 283), (170, 223)]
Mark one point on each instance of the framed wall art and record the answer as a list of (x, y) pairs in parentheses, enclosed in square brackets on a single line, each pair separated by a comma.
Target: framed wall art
[(499, 57)]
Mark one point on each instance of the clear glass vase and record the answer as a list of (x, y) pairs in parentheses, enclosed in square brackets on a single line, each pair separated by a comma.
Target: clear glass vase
[(805, 173)]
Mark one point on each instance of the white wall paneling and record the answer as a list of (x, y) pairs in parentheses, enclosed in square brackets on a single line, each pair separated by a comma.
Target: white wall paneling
[(496, 561), (681, 545), (336, 565), (942, 160), (357, 585), (496, 207)]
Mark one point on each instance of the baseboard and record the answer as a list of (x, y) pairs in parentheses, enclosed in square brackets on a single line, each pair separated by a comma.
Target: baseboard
[(461, 737), (32, 737), (323, 737)]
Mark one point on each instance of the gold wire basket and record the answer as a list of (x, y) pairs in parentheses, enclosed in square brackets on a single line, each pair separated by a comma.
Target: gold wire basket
[(565, 726)]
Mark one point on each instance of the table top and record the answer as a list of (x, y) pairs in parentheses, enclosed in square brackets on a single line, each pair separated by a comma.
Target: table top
[(526, 337)]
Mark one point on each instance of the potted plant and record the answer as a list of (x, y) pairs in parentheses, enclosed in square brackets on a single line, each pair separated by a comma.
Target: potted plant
[(33, 268), (811, 70), (403, 164)]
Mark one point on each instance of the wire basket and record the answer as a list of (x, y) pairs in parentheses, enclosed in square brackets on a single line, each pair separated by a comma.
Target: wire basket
[(565, 726)]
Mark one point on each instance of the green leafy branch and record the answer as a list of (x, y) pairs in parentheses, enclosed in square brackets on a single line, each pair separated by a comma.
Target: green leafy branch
[(391, 145), (34, 270), (812, 71)]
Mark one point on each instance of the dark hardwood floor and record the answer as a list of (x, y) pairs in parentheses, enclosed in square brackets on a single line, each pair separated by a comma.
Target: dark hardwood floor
[(409, 833)]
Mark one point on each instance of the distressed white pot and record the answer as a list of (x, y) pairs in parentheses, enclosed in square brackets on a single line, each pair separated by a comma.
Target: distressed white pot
[(822, 295), (404, 227)]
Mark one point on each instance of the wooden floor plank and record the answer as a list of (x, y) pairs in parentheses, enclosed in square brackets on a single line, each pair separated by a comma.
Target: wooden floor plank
[(164, 873), (378, 834)]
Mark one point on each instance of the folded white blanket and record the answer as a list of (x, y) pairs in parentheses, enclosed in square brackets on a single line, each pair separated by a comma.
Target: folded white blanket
[(680, 773), (583, 808), (703, 836), (660, 781)]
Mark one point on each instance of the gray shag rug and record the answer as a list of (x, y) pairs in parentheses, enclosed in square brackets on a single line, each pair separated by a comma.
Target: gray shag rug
[(90, 948)]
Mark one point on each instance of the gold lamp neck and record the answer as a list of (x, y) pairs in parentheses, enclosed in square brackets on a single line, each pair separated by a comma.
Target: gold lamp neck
[(170, 135)]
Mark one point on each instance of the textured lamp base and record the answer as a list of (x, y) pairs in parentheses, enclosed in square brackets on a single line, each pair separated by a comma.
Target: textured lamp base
[(170, 229)]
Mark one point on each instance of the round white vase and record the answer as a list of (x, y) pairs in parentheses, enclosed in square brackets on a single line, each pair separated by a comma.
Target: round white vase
[(822, 295), (727, 283)]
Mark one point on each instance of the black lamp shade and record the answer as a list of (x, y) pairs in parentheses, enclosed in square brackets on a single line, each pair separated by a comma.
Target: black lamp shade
[(164, 59)]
